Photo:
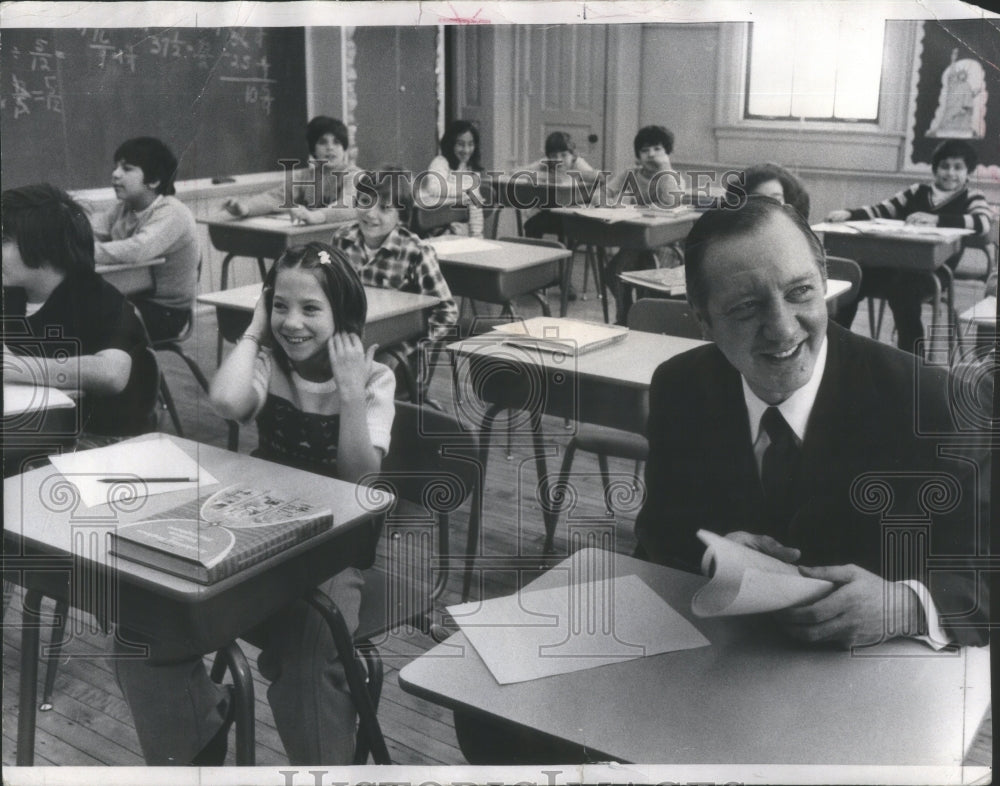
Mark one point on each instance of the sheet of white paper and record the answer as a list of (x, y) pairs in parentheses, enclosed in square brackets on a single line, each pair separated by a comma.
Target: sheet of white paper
[(542, 633), (154, 458), (276, 221), (747, 581), (888, 226), (18, 399), (984, 311), (461, 245)]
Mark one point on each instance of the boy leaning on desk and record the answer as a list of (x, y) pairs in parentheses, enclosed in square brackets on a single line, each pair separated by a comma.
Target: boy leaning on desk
[(946, 202)]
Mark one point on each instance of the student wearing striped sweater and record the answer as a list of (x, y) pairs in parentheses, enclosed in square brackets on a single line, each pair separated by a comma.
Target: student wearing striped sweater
[(947, 202)]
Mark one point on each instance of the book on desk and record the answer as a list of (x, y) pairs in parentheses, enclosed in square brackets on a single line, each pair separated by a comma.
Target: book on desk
[(569, 336), (213, 537), (669, 280)]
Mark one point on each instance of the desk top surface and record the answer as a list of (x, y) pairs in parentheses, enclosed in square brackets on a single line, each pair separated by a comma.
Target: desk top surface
[(752, 697), (382, 303), (43, 509), (273, 223), (500, 256), (644, 216), (894, 231), (105, 270), (629, 363)]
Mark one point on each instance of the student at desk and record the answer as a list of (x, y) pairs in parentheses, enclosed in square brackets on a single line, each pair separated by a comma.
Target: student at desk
[(387, 255), (49, 283), (765, 435), (150, 222), (947, 202), (322, 195), (559, 164), (652, 182), (454, 177), (321, 404)]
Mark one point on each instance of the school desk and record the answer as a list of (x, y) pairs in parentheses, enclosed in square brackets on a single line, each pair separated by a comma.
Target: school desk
[(261, 237), (56, 547), (502, 271), (752, 701), (647, 279), (608, 386), (37, 421), (891, 244), (532, 189), (639, 229), (131, 279)]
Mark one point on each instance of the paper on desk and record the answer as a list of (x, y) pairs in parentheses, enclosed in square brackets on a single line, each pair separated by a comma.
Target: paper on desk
[(461, 245), (18, 399), (131, 461), (747, 581), (542, 633), (275, 221)]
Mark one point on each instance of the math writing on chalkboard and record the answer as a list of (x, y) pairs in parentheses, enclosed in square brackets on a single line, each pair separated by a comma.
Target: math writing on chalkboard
[(229, 100)]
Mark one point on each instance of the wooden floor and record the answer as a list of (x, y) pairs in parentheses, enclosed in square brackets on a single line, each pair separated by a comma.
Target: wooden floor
[(90, 723)]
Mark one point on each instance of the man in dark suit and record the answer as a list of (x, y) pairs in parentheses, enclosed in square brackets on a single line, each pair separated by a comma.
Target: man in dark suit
[(815, 445)]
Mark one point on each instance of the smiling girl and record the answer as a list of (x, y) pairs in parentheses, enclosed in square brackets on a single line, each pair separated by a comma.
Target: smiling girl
[(322, 404), (447, 185)]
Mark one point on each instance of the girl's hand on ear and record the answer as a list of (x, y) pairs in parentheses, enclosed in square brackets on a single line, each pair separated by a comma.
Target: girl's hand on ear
[(351, 364), (260, 323)]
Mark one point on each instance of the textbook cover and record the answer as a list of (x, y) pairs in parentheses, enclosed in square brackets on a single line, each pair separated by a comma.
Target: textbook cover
[(211, 538)]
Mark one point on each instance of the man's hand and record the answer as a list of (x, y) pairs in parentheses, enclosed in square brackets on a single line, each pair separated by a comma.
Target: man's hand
[(766, 544), (863, 609)]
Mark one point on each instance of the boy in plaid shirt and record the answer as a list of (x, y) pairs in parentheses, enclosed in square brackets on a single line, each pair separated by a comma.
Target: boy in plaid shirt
[(388, 255)]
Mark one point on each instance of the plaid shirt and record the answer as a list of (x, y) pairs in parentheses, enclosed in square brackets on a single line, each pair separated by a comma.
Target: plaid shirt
[(405, 263)]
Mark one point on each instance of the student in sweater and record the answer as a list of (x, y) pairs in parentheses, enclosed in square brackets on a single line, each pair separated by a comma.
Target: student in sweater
[(454, 177), (321, 404), (49, 286), (323, 194), (651, 182), (150, 222), (558, 166), (947, 202)]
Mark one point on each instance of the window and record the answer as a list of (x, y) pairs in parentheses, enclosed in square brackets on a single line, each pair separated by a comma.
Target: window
[(814, 64)]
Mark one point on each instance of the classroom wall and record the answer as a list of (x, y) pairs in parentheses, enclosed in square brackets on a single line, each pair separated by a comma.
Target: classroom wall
[(840, 169)]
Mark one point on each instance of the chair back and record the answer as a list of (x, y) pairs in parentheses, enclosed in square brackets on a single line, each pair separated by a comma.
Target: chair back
[(491, 221), (431, 221), (661, 315), (845, 270), (432, 461)]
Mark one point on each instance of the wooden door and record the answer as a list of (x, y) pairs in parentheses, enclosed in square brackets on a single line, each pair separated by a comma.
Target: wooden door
[(565, 68)]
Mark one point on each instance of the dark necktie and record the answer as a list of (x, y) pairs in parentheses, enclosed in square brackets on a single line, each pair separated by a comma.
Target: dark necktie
[(779, 470)]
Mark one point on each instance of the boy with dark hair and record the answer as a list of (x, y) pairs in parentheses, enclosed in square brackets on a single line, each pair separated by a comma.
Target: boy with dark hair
[(947, 202), (324, 193), (652, 182), (149, 222), (50, 285)]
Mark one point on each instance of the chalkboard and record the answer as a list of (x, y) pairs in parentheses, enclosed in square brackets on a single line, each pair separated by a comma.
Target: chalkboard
[(226, 100)]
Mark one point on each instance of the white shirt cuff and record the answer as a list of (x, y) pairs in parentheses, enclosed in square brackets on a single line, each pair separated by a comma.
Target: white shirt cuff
[(936, 636)]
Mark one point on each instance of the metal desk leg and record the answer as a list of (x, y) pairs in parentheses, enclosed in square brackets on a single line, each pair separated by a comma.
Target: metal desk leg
[(549, 516), (232, 657), (602, 283), (567, 280), (355, 678), (28, 694)]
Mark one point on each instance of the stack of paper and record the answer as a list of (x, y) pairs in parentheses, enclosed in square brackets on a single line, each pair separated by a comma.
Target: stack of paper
[(664, 279), (747, 581), (558, 334)]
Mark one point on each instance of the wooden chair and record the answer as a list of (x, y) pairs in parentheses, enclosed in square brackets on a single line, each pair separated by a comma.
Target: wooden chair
[(844, 270), (651, 315)]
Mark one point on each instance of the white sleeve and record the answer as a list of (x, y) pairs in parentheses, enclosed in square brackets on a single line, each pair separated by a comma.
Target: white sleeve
[(380, 406), (936, 636), (261, 381)]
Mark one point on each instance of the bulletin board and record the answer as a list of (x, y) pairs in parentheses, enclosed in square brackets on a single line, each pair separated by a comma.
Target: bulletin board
[(956, 89)]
